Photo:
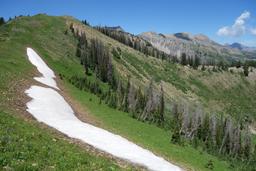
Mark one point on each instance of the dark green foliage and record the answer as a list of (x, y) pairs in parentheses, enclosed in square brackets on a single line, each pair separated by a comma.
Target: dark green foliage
[(95, 57), (210, 165), (126, 102), (134, 42), (2, 21), (161, 107), (183, 59), (85, 22), (82, 52), (210, 134), (216, 134), (236, 64), (251, 63), (177, 118), (246, 69), (222, 66), (196, 62)]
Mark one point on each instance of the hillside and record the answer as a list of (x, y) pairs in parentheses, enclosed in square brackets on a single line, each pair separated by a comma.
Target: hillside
[(214, 91), (52, 37), (25, 144)]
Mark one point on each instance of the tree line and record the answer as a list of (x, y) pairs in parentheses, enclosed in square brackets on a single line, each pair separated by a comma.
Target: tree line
[(217, 134), (96, 59), (133, 42), (2, 21), (192, 61)]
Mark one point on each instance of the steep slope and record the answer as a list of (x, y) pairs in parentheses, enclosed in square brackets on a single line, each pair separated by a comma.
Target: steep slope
[(25, 144), (52, 38), (213, 91), (28, 146), (49, 107)]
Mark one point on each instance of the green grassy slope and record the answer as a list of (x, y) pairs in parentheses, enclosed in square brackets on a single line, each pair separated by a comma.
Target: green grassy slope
[(25, 146), (216, 91), (146, 135), (47, 36)]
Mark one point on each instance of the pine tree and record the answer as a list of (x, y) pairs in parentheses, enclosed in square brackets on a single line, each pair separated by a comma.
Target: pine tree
[(141, 101), (183, 59), (246, 69), (85, 22), (206, 131), (176, 136), (196, 62), (2, 21), (126, 102), (190, 61), (161, 107)]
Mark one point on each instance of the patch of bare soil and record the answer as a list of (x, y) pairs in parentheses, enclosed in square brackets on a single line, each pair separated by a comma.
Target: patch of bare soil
[(79, 110)]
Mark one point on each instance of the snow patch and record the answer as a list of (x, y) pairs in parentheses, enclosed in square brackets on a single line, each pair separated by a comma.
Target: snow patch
[(48, 74), (49, 107)]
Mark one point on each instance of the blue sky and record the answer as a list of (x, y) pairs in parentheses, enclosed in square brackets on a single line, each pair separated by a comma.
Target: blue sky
[(214, 18)]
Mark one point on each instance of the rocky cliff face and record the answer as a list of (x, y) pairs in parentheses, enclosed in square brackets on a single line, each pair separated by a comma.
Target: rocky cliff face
[(200, 45)]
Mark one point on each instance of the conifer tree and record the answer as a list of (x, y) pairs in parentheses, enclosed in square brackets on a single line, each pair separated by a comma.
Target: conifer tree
[(2, 21), (183, 59), (246, 69), (126, 102), (176, 136), (161, 107)]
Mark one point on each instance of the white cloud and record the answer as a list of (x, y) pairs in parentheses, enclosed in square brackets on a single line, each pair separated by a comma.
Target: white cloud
[(237, 29), (253, 31)]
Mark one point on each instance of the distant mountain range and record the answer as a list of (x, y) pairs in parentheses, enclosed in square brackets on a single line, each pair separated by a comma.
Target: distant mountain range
[(192, 45), (241, 47), (200, 45)]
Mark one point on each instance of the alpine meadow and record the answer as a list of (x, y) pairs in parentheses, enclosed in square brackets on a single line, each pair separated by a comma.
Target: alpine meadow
[(79, 95)]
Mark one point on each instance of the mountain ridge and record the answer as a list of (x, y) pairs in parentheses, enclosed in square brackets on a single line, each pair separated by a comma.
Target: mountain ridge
[(192, 45), (241, 47)]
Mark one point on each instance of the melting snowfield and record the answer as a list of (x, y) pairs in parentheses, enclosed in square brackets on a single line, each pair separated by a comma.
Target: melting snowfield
[(49, 107), (48, 74)]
